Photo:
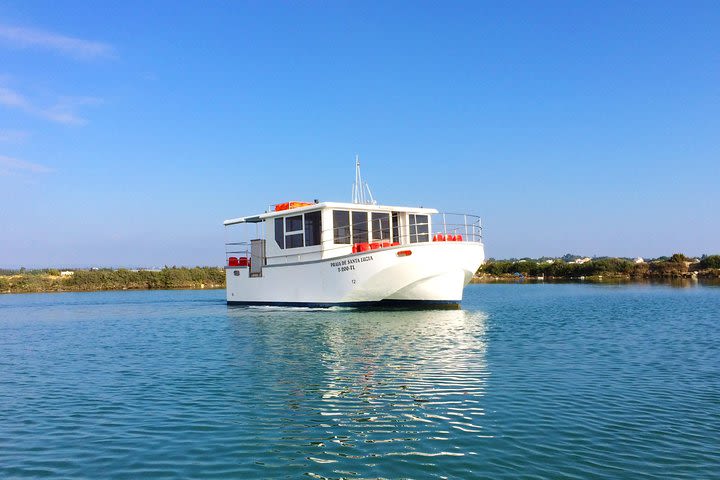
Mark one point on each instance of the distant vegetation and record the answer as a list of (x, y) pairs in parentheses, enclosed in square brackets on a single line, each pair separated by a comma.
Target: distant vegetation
[(677, 265), (53, 280), (712, 261), (50, 280)]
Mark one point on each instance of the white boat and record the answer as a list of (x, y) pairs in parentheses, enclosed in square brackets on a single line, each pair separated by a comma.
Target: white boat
[(357, 254)]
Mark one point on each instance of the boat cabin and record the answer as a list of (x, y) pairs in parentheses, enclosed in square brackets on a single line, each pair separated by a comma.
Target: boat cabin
[(302, 232)]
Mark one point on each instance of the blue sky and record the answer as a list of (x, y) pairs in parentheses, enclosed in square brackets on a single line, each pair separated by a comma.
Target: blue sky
[(129, 131)]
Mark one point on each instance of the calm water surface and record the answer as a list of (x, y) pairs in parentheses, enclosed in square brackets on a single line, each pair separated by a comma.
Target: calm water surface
[(531, 381)]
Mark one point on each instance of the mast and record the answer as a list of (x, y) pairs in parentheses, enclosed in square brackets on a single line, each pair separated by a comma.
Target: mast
[(359, 187)]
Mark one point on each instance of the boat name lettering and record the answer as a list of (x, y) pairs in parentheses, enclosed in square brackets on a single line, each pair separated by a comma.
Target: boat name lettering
[(348, 263)]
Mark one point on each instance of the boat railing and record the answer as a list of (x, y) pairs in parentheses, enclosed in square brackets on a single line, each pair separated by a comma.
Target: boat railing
[(462, 226), (237, 254), (238, 248), (441, 227)]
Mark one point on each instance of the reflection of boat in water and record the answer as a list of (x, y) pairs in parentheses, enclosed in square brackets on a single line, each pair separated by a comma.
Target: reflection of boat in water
[(353, 254), (367, 386)]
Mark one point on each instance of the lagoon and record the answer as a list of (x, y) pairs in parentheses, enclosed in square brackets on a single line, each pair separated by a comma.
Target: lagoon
[(527, 380)]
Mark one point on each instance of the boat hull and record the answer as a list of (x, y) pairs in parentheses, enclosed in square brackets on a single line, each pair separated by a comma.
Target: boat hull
[(432, 276)]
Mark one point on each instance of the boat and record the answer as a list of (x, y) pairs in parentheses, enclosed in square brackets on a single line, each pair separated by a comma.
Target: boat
[(355, 254)]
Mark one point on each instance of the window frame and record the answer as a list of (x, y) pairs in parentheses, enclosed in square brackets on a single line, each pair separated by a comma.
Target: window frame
[(395, 226), (314, 230), (355, 234), (291, 236), (376, 234), (415, 235), (280, 239), (347, 226), (296, 238)]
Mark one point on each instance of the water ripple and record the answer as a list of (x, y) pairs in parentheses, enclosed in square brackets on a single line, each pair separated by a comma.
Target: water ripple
[(564, 381)]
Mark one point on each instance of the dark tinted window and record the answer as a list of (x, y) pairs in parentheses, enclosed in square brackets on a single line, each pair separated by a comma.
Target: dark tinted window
[(380, 226), (293, 224), (359, 227), (279, 232), (294, 241), (341, 226), (313, 227), (413, 228)]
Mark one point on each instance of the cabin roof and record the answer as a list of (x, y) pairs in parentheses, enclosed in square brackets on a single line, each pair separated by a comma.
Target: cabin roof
[(336, 205)]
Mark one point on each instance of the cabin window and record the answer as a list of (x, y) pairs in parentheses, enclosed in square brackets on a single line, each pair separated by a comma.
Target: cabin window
[(359, 227), (395, 227), (280, 232), (419, 228), (313, 227), (293, 224), (341, 226), (380, 226), (294, 231), (294, 241)]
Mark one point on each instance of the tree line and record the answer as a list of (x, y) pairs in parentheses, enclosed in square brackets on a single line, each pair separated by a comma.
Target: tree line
[(49, 280), (673, 266)]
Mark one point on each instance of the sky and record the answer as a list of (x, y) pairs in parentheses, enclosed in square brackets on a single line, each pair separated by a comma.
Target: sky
[(130, 130)]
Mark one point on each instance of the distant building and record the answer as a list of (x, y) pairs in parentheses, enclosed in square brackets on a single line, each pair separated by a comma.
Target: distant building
[(639, 260), (66, 273), (549, 260), (582, 260)]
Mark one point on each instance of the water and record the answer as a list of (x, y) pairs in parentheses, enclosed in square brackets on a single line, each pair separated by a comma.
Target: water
[(530, 381)]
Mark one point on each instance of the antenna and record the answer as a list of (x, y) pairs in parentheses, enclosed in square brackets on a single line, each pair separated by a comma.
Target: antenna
[(359, 187)]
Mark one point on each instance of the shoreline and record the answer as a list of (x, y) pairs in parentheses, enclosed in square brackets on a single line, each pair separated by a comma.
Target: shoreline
[(169, 278), (605, 270), (599, 280), (710, 274), (570, 267), (133, 289)]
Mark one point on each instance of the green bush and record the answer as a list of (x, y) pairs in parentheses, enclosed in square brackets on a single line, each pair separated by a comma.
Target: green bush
[(679, 258), (668, 268), (168, 277), (711, 261), (599, 266)]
